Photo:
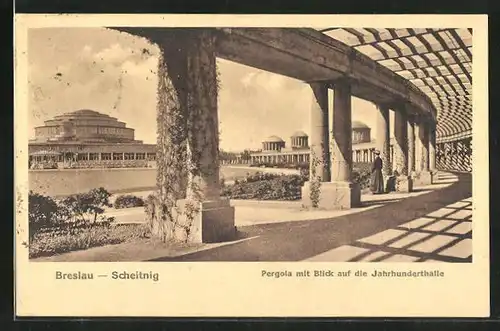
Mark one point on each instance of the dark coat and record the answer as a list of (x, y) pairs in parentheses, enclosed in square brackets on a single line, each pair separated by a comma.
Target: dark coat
[(377, 180)]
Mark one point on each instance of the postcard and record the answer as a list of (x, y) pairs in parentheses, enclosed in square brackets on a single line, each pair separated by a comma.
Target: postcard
[(251, 165)]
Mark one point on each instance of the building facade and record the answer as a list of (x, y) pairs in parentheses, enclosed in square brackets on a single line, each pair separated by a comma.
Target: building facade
[(88, 139), (274, 150)]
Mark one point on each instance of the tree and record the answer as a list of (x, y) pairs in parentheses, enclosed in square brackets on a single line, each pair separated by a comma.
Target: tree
[(245, 156)]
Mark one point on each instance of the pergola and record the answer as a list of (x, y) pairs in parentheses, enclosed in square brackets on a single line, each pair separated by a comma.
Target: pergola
[(438, 61), (438, 66)]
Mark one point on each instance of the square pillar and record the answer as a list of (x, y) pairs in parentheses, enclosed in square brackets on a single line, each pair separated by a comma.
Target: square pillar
[(411, 146), (432, 148), (403, 182), (340, 192), (383, 139), (423, 173), (191, 208), (320, 160)]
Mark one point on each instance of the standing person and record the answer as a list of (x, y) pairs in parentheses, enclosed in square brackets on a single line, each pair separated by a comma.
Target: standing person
[(377, 180)]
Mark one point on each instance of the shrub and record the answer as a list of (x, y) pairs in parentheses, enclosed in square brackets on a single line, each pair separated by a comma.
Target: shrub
[(273, 187), (268, 186), (85, 207), (362, 177), (128, 201), (75, 222), (42, 213), (260, 176), (70, 212)]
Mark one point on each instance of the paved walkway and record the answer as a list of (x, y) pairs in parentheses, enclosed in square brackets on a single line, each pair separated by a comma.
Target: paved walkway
[(431, 224)]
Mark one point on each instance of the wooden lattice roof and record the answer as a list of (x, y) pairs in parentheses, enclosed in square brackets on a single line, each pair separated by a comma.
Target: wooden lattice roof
[(438, 61)]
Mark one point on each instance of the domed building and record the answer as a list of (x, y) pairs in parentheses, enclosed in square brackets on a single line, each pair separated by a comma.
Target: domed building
[(299, 140), (360, 132), (86, 138), (275, 152), (273, 143)]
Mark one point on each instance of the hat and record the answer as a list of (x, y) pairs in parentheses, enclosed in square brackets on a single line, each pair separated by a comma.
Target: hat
[(377, 152)]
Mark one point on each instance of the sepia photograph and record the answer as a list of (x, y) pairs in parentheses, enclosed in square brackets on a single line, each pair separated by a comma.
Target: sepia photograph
[(250, 144), (144, 144)]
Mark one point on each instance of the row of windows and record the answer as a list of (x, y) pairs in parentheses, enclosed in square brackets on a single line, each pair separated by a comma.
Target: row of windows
[(55, 130), (116, 156)]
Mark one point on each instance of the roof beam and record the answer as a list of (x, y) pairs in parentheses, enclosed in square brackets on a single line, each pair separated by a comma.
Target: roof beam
[(421, 73), (443, 106), (455, 97), (451, 119), (423, 64), (415, 50), (424, 89), (453, 86), (462, 124), (453, 55), (383, 35)]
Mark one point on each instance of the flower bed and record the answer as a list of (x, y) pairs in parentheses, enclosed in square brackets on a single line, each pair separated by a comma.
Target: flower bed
[(267, 186), (74, 223), (57, 240)]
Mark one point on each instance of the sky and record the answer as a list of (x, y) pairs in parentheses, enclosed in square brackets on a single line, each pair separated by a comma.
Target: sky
[(114, 73)]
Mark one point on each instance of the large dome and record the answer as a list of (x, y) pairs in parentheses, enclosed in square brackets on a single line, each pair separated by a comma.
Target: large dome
[(84, 125), (273, 139)]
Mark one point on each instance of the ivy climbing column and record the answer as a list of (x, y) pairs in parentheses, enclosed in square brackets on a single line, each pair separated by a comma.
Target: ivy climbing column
[(339, 192), (202, 120), (319, 159), (171, 121), (320, 163), (188, 206), (209, 217)]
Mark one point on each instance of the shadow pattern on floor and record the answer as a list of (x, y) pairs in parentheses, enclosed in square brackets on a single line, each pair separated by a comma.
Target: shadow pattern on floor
[(300, 240)]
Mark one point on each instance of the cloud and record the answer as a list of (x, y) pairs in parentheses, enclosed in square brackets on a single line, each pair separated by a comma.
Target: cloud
[(117, 53), (87, 50), (146, 68)]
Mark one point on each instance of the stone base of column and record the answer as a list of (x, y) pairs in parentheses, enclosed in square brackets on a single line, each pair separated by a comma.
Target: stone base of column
[(208, 221), (423, 178), (331, 195), (404, 184)]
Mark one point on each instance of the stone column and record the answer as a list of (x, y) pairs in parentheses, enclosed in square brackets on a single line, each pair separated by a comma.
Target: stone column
[(403, 181), (424, 141), (383, 139), (319, 166), (411, 146), (189, 139), (432, 147), (424, 176), (340, 192), (319, 158), (341, 133)]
